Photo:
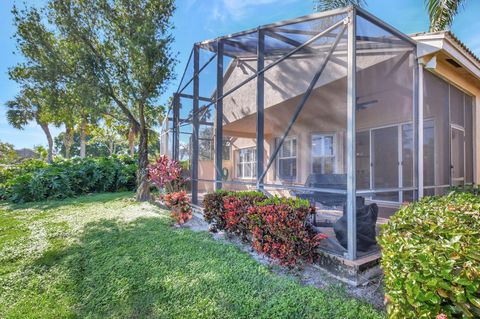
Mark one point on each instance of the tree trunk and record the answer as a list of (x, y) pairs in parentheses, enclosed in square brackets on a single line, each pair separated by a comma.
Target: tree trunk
[(46, 130), (131, 140), (111, 149), (68, 140), (83, 138), (143, 185)]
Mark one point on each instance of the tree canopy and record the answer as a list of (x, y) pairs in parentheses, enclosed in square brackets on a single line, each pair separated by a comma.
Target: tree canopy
[(87, 61)]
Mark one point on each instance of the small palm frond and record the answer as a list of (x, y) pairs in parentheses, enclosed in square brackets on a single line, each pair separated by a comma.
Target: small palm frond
[(442, 12), (324, 5)]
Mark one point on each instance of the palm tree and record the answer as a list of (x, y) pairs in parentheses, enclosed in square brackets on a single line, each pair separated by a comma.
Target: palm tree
[(32, 104), (440, 12), (324, 5)]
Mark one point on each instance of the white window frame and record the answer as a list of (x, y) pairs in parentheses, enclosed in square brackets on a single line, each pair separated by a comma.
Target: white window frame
[(281, 157), (252, 163), (334, 156)]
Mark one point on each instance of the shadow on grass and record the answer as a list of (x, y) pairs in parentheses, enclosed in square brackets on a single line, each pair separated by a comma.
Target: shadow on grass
[(148, 269), (74, 201)]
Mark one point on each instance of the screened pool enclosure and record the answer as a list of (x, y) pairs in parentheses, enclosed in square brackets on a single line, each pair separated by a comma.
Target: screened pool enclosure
[(323, 107)]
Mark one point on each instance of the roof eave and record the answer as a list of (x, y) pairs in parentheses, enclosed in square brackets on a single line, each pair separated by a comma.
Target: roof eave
[(445, 41)]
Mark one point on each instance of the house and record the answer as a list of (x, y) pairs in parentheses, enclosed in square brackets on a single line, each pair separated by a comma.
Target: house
[(25, 153), (337, 107)]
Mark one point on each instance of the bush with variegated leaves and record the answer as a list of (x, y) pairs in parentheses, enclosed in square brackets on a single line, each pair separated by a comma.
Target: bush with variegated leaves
[(431, 258), (179, 203)]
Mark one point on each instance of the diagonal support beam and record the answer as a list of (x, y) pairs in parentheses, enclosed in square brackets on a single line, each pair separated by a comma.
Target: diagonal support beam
[(240, 46), (302, 32), (305, 97), (196, 73), (288, 40), (286, 56)]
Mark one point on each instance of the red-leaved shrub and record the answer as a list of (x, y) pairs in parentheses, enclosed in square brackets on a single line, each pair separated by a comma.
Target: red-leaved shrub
[(166, 174), (179, 203), (213, 211), (281, 232), (277, 227), (236, 209)]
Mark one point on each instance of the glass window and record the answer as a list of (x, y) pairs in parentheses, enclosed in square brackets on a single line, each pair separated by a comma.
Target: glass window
[(323, 153), (205, 143), (287, 159), (227, 148), (246, 163)]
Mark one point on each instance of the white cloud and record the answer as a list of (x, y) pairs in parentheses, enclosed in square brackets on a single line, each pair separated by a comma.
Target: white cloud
[(223, 10), (238, 9)]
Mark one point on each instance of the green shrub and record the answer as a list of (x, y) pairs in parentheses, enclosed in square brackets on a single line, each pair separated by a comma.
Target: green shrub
[(27, 166), (431, 258), (68, 178), (472, 189)]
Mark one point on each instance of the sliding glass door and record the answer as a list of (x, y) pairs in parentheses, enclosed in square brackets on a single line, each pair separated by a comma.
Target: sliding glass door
[(385, 160)]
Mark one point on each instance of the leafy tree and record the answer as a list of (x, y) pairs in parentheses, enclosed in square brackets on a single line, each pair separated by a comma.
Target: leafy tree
[(70, 95), (98, 145), (41, 151), (7, 153), (440, 12), (31, 105), (37, 74), (127, 47), (111, 134)]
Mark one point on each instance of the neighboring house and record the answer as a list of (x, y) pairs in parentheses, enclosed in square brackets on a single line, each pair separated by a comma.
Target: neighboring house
[(26, 153), (399, 79)]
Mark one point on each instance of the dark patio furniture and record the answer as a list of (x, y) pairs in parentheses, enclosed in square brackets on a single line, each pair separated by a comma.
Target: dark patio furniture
[(326, 181), (366, 224)]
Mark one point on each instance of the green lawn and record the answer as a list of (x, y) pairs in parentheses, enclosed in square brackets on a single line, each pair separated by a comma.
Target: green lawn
[(106, 256)]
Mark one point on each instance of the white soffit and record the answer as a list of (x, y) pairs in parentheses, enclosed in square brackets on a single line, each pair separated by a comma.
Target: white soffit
[(430, 43)]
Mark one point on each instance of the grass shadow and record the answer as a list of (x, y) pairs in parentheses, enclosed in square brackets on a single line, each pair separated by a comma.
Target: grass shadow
[(147, 269)]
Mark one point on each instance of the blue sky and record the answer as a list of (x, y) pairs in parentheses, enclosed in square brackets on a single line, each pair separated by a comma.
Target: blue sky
[(197, 20)]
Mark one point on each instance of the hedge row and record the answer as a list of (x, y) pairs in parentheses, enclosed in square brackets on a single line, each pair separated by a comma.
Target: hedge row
[(431, 258), (36, 180), (277, 227)]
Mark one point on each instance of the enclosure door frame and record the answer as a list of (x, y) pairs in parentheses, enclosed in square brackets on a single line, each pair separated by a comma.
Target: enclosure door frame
[(454, 180)]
